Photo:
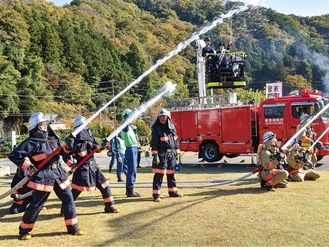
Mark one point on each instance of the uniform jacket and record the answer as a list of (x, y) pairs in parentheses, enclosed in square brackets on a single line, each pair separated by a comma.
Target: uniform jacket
[(34, 150)]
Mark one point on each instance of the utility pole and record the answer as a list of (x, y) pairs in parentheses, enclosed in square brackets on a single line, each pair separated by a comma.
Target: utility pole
[(115, 111)]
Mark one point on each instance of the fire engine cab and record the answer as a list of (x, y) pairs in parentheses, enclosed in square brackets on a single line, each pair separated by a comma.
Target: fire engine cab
[(218, 126)]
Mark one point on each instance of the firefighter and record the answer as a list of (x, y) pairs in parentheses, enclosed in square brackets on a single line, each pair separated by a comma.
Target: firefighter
[(300, 168), (88, 176), (307, 138), (131, 155), (165, 152), (272, 174), (28, 155)]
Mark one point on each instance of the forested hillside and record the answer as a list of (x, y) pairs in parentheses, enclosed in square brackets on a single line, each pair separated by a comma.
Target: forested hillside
[(71, 60)]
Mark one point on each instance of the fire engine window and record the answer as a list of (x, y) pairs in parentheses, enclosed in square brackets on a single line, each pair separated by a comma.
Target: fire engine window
[(274, 111), (303, 107)]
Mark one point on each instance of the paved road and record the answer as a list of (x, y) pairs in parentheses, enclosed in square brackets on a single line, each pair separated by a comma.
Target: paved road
[(190, 161)]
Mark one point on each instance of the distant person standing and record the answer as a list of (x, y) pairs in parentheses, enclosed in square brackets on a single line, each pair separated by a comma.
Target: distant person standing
[(131, 153), (119, 149), (139, 149), (113, 158), (165, 151)]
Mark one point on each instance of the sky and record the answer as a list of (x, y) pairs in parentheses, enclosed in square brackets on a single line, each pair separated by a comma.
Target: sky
[(296, 7)]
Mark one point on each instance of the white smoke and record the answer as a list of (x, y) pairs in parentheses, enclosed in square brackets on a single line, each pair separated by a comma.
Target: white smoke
[(321, 62)]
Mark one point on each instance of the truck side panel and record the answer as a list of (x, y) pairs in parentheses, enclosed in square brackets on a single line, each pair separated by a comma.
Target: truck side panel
[(236, 130), (186, 126)]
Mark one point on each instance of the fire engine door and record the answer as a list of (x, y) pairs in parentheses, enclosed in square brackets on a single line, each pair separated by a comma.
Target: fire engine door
[(275, 120)]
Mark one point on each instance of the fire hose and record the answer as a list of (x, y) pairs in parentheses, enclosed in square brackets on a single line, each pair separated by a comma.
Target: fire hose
[(167, 89)]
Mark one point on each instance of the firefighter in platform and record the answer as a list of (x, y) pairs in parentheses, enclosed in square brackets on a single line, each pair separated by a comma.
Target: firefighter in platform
[(131, 155), (209, 54), (207, 50), (272, 175), (88, 176), (165, 151), (300, 168), (307, 138), (28, 155)]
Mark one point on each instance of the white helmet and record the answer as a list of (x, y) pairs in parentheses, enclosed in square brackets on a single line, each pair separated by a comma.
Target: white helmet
[(35, 119), (269, 135), (303, 117), (163, 112), (78, 121)]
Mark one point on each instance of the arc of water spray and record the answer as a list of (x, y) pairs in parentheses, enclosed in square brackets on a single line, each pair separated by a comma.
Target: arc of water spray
[(167, 89), (179, 48)]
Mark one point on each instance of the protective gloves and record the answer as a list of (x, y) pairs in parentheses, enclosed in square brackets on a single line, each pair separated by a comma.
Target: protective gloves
[(69, 142), (279, 156), (156, 160), (103, 144), (32, 169)]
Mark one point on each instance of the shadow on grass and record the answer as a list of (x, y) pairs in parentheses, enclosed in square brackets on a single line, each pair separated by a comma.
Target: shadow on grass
[(178, 207), (40, 235)]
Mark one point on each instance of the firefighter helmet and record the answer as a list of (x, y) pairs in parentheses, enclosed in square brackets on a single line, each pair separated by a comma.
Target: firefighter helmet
[(35, 119), (206, 39), (163, 112), (269, 135), (126, 112), (303, 117), (78, 121)]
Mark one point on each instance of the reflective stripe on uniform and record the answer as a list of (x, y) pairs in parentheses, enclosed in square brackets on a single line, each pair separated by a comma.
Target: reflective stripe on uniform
[(172, 189), (83, 188), (108, 199), (65, 184), (69, 163), (164, 138), (170, 172), (39, 157), (158, 171), (156, 192), (270, 176), (270, 165), (70, 222), (105, 184), (83, 153), (26, 164), (40, 187), (26, 226)]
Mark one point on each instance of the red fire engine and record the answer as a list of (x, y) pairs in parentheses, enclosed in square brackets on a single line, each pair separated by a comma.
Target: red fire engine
[(214, 130), (207, 126)]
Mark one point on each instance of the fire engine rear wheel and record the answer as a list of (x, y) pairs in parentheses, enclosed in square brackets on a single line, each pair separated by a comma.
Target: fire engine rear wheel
[(211, 153)]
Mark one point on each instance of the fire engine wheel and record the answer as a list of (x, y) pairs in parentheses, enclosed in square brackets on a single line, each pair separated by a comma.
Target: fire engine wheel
[(211, 153), (319, 158)]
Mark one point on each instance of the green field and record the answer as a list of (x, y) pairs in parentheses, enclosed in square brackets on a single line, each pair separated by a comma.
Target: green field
[(237, 214)]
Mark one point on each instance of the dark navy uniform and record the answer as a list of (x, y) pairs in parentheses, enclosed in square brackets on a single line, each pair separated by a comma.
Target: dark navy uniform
[(50, 177), (165, 145), (88, 176)]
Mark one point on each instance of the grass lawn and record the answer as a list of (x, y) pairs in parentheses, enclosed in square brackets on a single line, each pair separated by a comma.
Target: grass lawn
[(237, 214)]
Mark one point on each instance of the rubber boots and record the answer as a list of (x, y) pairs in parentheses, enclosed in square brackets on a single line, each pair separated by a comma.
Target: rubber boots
[(120, 178), (130, 193)]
